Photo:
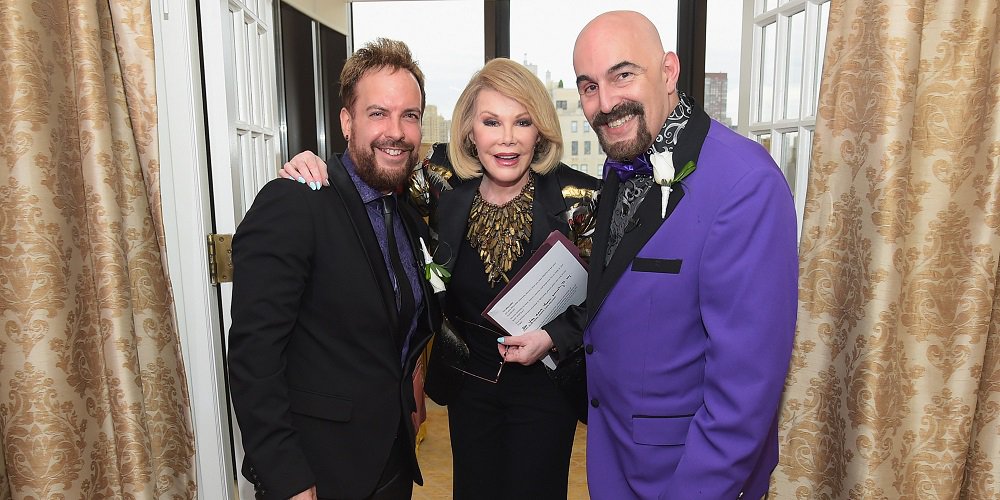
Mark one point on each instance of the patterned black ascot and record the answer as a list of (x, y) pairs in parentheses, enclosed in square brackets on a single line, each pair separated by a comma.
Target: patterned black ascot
[(636, 184)]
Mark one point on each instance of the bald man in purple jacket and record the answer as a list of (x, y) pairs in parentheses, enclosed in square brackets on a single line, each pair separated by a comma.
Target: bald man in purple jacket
[(692, 293)]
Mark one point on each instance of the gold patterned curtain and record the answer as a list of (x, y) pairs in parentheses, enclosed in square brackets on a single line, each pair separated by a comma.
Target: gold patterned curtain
[(93, 399), (894, 386)]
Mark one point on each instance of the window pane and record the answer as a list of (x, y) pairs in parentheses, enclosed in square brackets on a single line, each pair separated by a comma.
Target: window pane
[(802, 178), (558, 23), (793, 75), (824, 19), (764, 140), (765, 94), (447, 59), (789, 156), (722, 62)]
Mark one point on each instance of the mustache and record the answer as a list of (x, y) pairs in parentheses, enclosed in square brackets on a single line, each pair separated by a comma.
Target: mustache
[(393, 144), (623, 109)]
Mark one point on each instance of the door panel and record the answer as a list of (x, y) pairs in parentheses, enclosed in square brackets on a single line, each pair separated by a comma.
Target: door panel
[(241, 107)]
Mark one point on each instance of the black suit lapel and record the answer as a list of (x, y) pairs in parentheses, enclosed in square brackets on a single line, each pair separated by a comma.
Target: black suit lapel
[(452, 219), (455, 204), (547, 209), (362, 228), (415, 231), (415, 234)]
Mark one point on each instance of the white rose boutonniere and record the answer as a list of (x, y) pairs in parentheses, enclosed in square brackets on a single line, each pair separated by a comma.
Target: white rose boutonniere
[(435, 273), (664, 175)]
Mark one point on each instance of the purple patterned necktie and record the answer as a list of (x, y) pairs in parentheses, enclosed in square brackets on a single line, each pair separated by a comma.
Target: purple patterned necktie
[(626, 170)]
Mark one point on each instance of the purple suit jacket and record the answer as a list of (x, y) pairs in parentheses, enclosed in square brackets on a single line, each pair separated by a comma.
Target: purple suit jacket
[(689, 329)]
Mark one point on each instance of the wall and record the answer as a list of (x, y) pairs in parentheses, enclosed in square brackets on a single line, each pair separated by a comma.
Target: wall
[(332, 13)]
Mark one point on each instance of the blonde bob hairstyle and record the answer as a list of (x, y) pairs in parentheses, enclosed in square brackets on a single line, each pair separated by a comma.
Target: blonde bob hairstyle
[(512, 80)]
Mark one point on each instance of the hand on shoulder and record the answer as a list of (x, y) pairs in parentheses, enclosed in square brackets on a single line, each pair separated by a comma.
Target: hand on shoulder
[(306, 168)]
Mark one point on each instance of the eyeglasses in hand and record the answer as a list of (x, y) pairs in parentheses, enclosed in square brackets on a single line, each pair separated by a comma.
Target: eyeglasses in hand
[(503, 357)]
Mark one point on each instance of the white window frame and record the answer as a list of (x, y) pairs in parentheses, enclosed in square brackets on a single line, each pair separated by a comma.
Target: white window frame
[(755, 18)]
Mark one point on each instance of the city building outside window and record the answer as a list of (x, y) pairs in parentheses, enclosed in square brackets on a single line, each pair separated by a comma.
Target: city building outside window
[(722, 61), (575, 148), (463, 42), (572, 126)]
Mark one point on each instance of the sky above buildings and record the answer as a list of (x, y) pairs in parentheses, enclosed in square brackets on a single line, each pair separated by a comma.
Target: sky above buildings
[(446, 36)]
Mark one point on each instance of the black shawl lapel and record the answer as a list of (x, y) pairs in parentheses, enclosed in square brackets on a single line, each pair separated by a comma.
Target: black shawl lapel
[(601, 282), (362, 228), (547, 209), (452, 218), (647, 221), (605, 208)]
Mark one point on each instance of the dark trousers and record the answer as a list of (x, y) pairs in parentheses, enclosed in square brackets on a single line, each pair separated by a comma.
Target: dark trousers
[(511, 440), (396, 481)]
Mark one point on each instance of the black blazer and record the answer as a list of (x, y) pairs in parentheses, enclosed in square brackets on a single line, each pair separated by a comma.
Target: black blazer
[(552, 192), (315, 375)]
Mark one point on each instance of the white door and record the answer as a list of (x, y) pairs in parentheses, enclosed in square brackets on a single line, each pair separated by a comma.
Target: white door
[(216, 150), (241, 106), (187, 219)]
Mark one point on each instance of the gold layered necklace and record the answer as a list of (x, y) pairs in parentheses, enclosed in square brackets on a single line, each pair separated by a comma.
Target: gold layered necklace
[(500, 232)]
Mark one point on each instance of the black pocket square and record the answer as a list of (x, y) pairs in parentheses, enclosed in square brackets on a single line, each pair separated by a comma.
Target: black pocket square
[(669, 266)]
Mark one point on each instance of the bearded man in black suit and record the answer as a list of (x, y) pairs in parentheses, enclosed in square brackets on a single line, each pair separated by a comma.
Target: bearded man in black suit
[(330, 310)]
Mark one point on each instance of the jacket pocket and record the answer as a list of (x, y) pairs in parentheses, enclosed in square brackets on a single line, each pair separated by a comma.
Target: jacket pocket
[(644, 265), (318, 405), (662, 431)]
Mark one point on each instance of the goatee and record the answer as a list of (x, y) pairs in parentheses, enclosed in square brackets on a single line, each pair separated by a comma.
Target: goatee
[(382, 179), (627, 149)]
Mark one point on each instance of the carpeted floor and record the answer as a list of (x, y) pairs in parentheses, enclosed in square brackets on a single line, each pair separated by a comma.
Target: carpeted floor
[(435, 459)]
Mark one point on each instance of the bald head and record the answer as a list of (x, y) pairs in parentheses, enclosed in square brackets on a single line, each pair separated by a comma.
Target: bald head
[(627, 83), (639, 31)]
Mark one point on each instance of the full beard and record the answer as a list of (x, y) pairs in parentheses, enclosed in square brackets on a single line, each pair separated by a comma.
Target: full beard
[(382, 179), (627, 149)]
